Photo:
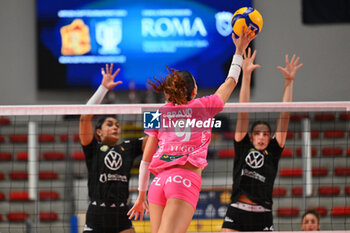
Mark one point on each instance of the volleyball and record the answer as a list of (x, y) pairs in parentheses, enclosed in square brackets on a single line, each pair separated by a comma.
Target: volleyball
[(246, 16)]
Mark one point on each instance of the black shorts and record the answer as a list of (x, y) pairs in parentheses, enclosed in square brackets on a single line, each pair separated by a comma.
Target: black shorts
[(107, 219), (242, 220)]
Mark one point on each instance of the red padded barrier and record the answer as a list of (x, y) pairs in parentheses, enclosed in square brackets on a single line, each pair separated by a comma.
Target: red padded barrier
[(22, 156), (49, 195), (347, 190), (324, 117), (46, 138), (328, 191), (297, 191), (334, 134), (290, 135), (2, 196), (344, 116), (18, 175), (287, 153), (298, 117), (48, 175), (4, 121), (291, 172), (340, 211), (64, 138), (78, 155), (288, 211), (18, 138), (53, 155), (319, 171), (332, 151), (299, 151), (342, 171), (48, 216), (17, 216), (279, 191), (228, 135), (5, 156), (19, 196), (226, 153), (313, 134), (322, 211)]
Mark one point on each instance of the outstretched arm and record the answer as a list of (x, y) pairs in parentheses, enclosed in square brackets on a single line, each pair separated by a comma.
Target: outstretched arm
[(225, 90), (248, 67), (86, 131), (141, 204), (289, 73)]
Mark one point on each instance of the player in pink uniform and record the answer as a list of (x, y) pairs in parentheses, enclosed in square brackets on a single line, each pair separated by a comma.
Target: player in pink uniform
[(176, 152)]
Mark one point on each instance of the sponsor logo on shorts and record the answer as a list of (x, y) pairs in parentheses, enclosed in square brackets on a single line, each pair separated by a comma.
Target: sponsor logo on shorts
[(156, 181), (173, 179), (179, 179)]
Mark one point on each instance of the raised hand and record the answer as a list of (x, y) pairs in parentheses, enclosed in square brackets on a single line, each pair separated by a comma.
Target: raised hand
[(108, 77), (291, 67), (248, 61), (243, 41)]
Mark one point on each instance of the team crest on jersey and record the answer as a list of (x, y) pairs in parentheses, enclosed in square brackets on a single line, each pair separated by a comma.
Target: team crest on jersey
[(113, 160), (254, 159), (104, 148)]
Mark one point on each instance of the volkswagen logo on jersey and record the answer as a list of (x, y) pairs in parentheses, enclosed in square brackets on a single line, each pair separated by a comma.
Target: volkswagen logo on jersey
[(113, 160), (255, 159)]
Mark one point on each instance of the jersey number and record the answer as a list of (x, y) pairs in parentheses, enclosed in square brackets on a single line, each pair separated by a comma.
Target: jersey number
[(182, 131)]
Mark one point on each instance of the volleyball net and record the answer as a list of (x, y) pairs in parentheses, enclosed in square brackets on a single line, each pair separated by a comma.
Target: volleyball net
[(43, 176)]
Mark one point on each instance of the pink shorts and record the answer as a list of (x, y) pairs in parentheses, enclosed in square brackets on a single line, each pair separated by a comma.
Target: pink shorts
[(175, 183)]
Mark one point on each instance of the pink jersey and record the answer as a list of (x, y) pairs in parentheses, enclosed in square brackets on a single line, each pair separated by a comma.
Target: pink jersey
[(185, 133)]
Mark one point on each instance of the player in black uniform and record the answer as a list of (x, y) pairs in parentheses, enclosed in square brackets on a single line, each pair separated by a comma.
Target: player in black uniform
[(108, 166), (256, 158)]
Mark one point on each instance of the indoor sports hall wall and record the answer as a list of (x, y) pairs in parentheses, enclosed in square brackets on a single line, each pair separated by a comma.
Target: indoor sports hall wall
[(324, 50)]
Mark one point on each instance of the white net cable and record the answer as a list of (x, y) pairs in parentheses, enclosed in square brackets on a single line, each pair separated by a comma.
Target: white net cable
[(78, 109)]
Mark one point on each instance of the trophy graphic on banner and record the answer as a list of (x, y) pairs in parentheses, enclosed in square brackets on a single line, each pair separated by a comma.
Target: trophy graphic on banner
[(109, 35), (75, 38)]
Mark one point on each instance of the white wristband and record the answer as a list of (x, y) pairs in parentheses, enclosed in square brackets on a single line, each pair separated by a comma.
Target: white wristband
[(235, 68), (98, 96), (143, 176)]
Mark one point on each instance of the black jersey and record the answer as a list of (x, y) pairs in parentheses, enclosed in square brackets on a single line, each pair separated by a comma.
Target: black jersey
[(109, 169), (255, 171)]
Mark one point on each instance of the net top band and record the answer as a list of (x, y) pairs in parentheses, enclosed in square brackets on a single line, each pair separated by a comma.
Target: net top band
[(27, 110)]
